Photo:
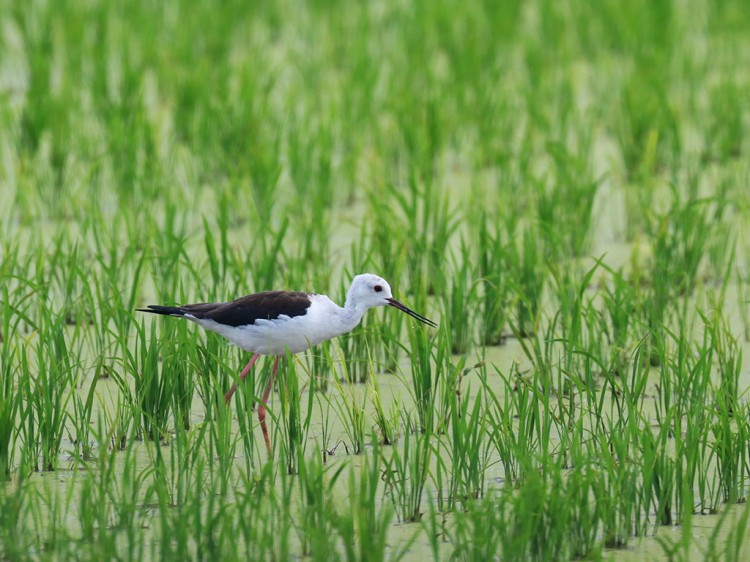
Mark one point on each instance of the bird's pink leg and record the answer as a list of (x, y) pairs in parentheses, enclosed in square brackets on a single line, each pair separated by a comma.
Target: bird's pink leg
[(264, 403), (243, 374)]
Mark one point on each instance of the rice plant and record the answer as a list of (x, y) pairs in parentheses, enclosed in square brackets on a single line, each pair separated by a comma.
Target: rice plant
[(565, 184), (496, 288), (405, 475), (387, 421), (351, 410)]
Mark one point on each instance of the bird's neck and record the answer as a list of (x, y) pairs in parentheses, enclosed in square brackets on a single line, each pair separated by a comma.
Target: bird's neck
[(352, 313)]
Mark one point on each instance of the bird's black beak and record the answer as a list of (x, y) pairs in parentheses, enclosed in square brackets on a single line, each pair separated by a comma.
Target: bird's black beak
[(394, 303)]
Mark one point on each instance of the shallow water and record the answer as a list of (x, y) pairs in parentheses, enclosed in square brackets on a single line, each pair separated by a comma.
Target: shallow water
[(394, 387)]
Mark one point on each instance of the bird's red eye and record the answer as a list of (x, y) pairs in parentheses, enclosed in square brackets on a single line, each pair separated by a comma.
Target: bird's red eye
[(378, 288)]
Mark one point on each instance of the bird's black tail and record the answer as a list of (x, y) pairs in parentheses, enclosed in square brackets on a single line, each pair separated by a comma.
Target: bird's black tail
[(166, 310)]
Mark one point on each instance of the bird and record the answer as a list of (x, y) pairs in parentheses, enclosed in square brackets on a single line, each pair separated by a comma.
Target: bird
[(280, 322)]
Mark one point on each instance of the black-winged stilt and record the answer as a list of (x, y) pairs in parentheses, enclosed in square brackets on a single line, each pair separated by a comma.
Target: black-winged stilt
[(277, 322)]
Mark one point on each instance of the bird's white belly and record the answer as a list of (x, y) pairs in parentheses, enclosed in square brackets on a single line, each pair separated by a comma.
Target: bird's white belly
[(274, 337)]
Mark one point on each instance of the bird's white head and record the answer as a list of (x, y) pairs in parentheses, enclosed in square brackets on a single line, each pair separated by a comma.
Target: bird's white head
[(368, 291)]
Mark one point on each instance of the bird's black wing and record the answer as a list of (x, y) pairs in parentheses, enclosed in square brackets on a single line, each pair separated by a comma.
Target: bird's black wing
[(245, 311)]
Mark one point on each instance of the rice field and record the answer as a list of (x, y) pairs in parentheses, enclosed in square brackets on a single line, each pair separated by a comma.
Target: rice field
[(564, 187)]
